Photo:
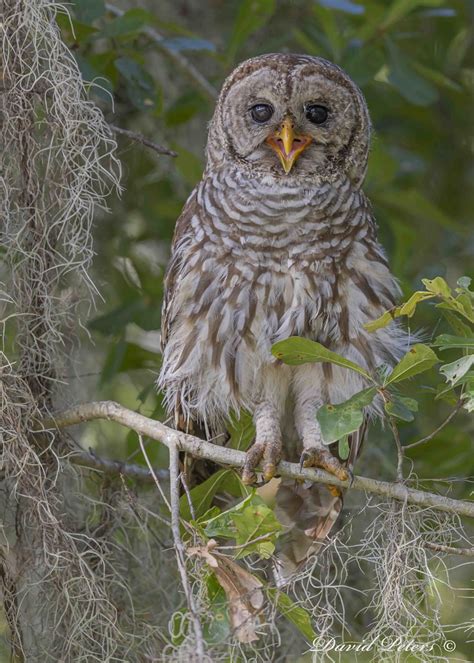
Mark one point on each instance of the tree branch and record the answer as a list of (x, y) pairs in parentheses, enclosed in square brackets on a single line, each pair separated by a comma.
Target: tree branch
[(396, 437), (116, 467), (450, 550), (435, 432), (175, 56), (201, 449), (179, 546), (138, 138)]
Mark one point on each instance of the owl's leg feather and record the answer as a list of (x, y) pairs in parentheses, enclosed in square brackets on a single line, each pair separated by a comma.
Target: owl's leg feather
[(267, 446), (315, 452)]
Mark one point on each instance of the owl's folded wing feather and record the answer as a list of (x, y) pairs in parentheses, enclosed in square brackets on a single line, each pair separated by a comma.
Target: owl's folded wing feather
[(174, 270)]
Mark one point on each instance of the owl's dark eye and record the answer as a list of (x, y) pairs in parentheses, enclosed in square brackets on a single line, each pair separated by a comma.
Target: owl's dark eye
[(316, 114), (261, 113)]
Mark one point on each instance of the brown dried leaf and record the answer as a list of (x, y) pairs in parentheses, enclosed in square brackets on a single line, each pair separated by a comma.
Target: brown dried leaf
[(243, 591)]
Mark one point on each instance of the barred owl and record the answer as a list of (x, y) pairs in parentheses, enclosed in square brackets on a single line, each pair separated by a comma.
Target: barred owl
[(278, 240)]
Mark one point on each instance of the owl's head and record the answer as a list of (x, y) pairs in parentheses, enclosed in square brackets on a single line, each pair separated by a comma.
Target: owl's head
[(291, 116)]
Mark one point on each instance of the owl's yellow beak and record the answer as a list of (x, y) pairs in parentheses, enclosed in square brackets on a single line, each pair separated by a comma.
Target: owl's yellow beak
[(287, 144)]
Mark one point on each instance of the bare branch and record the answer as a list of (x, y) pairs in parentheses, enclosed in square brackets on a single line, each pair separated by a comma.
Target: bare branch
[(116, 467), (152, 472), (450, 550), (179, 546), (435, 432), (201, 449), (175, 56), (188, 495), (396, 437), (139, 138)]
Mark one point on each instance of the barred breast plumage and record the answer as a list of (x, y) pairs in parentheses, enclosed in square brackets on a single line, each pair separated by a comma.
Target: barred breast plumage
[(277, 240)]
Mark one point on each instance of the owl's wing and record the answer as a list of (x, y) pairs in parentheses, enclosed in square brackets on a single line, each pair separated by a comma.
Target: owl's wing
[(309, 513), (174, 271)]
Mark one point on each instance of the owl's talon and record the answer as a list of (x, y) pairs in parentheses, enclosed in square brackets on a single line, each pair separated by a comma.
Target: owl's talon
[(269, 470), (252, 459), (323, 458), (269, 452)]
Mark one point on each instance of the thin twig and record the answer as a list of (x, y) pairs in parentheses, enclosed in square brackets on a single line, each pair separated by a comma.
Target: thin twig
[(188, 496), (180, 549), (139, 138), (435, 432), (152, 472), (198, 448), (451, 550), (396, 437), (263, 537), (178, 58), (91, 460)]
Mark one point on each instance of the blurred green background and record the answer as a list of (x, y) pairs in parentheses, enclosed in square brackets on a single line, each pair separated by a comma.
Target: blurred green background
[(413, 60)]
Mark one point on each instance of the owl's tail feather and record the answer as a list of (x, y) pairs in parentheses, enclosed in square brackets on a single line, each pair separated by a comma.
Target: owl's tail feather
[(308, 512)]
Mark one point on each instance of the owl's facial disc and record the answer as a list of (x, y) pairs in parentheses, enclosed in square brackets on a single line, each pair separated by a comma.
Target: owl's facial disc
[(288, 145)]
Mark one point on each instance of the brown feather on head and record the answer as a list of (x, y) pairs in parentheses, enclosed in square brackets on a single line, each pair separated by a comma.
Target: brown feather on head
[(324, 107)]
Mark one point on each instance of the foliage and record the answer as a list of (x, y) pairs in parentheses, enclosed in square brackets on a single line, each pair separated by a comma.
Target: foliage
[(338, 421)]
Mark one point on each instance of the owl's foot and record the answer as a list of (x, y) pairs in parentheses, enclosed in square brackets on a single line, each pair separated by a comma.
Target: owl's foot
[(323, 458), (269, 452)]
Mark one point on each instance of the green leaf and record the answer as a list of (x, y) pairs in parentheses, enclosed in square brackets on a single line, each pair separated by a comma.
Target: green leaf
[(178, 44), (113, 361), (456, 324), (246, 521), (87, 11), (401, 8), (411, 86), (296, 351), (297, 615), (184, 108), (458, 48), (252, 15), (418, 359), (456, 370), (94, 79), (464, 282), (468, 397), (223, 524), (344, 6), (337, 421), (219, 627), (437, 286), (203, 494), (409, 307), (401, 407), (461, 304), (326, 21), (140, 86), (436, 77), (381, 322), (343, 449), (241, 430), (112, 323), (254, 521), (448, 342), (129, 24)]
